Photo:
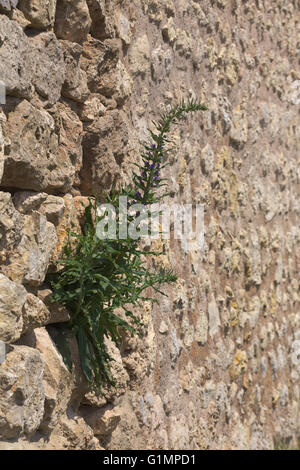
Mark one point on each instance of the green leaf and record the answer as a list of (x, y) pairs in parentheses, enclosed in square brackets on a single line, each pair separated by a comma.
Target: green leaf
[(85, 355)]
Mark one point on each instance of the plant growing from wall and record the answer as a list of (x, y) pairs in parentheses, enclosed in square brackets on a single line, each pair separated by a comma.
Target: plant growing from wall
[(100, 275)]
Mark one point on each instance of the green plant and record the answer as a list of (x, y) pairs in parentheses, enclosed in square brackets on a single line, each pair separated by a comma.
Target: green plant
[(99, 276)]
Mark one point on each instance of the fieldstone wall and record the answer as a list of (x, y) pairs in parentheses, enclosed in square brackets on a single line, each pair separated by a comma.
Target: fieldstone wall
[(217, 366)]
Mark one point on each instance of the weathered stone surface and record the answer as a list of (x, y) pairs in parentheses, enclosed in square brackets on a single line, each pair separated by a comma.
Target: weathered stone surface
[(49, 74), (12, 300), (17, 59), (72, 21), (7, 5), (28, 165), (102, 16), (80, 202), (2, 352), (92, 109), (74, 434), (33, 160), (117, 85), (161, 63), (99, 61), (75, 84), (104, 148), (35, 313), (58, 313), (68, 222), (103, 421), (201, 330), (30, 260), (11, 224), (139, 56), (207, 160), (22, 392), (52, 207), (17, 16), (70, 140), (214, 318), (239, 129), (239, 364), (27, 201), (40, 13), (57, 380), (1, 152), (124, 28)]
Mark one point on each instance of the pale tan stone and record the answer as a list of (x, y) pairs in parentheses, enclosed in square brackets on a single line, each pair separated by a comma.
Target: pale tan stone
[(12, 300), (22, 393), (40, 13)]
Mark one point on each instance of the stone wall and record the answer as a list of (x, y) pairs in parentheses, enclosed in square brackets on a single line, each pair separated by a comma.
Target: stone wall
[(217, 364)]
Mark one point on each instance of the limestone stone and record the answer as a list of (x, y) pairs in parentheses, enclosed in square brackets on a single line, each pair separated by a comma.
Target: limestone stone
[(169, 31), (124, 28), (49, 74), (12, 300), (103, 421), (17, 16), (27, 201), (183, 43), (52, 207), (117, 85), (239, 129), (154, 10), (70, 143), (254, 310), (72, 21), (2, 352), (214, 317), (57, 380), (187, 332), (35, 313), (255, 259), (7, 5), (102, 16), (30, 260), (139, 56), (161, 63), (119, 370), (11, 224), (176, 347), (104, 148), (81, 202), (22, 392), (75, 84), (17, 59), (92, 109), (239, 364), (68, 222), (40, 13), (99, 60), (201, 329), (32, 159), (163, 328), (2, 156), (179, 433), (74, 434), (207, 160)]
